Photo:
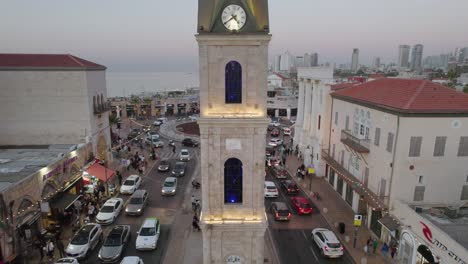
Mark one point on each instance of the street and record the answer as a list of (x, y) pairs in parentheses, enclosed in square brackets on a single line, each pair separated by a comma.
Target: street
[(162, 207)]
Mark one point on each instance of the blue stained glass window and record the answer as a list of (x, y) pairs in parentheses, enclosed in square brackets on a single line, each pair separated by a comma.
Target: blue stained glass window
[(233, 181), (233, 83)]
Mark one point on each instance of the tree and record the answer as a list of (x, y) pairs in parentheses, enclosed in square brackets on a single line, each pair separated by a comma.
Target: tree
[(465, 89), (135, 99), (452, 77), (113, 120)]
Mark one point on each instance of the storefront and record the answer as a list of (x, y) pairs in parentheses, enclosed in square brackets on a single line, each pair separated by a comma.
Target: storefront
[(130, 109), (169, 109), (181, 109), (95, 175)]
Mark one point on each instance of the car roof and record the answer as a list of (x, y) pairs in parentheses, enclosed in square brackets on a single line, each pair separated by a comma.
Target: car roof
[(302, 199), (118, 229), (150, 222), (281, 205), (270, 183), (113, 201), (138, 193), (87, 228), (170, 179), (130, 260), (133, 177), (329, 235)]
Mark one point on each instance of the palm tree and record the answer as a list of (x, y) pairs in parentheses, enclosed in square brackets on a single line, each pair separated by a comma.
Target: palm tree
[(113, 120)]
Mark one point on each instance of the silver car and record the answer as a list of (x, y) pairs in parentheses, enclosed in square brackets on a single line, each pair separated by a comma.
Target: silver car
[(115, 243), (164, 165), (169, 186), (137, 202)]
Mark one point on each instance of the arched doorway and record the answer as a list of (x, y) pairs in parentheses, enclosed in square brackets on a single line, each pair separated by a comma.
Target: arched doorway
[(233, 181), (101, 148), (425, 255)]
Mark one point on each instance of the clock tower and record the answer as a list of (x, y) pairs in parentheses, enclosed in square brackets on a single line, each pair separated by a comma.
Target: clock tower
[(233, 38)]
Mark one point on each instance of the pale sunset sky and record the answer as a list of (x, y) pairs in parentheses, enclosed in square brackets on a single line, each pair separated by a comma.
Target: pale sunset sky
[(156, 35)]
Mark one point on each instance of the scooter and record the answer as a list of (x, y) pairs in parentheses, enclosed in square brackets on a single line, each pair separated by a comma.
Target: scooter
[(171, 143)]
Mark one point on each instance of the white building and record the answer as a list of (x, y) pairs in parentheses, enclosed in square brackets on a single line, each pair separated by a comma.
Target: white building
[(403, 56), (389, 139), (355, 60), (53, 99)]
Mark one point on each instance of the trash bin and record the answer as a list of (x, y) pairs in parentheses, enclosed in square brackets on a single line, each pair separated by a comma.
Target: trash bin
[(341, 227)]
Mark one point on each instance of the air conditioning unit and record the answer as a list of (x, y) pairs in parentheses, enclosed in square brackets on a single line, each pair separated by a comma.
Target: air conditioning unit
[(451, 212), (418, 209)]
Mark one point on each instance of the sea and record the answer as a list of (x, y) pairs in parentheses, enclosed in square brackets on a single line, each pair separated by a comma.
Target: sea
[(145, 83)]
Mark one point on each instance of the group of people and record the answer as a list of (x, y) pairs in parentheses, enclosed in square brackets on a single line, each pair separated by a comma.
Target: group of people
[(372, 245), (47, 247)]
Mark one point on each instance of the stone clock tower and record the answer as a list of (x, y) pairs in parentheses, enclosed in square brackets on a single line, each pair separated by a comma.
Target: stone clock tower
[(233, 38)]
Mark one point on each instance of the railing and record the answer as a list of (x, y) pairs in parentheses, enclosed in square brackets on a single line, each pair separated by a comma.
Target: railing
[(359, 145), (101, 108)]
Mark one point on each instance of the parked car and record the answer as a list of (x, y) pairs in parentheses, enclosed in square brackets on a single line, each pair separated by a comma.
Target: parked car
[(164, 165), (279, 172), (179, 169), (289, 187), (148, 234), (327, 242), (169, 186), (114, 244), (137, 202), (162, 119), (275, 142), (270, 189), (184, 155), (132, 260), (273, 161), (152, 134), (275, 133), (84, 241), (301, 205), (188, 142), (67, 261), (134, 133), (280, 211), (130, 185), (158, 143), (157, 123), (287, 131), (109, 211)]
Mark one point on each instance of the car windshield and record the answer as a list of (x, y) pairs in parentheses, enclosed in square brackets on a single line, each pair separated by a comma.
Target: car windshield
[(283, 212), (107, 209), (129, 182), (179, 166), (271, 187), (147, 231), (136, 200), (113, 240), (169, 184), (334, 245), (164, 162), (80, 239), (184, 152)]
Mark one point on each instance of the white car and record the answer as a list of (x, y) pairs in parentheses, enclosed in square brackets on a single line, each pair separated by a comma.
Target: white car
[(67, 261), (287, 131), (274, 142), (148, 234), (157, 123), (169, 186), (84, 241), (130, 185), (109, 211), (327, 242), (270, 190), (275, 123), (131, 260), (184, 155)]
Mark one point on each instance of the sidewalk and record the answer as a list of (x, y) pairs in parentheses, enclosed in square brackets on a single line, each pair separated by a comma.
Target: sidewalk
[(334, 209)]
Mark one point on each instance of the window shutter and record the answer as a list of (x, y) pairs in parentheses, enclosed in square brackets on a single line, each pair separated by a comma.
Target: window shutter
[(464, 194), (390, 142), (377, 136), (439, 146), (415, 146), (419, 193), (347, 123), (463, 147)]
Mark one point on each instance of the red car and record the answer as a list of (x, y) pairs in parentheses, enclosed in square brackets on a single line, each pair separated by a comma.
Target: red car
[(275, 133), (301, 205)]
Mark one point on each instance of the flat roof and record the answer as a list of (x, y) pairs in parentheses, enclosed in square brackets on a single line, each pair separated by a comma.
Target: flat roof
[(18, 162), (456, 228)]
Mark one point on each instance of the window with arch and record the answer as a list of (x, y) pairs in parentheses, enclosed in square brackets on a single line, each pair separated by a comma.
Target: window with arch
[(233, 181), (233, 83)]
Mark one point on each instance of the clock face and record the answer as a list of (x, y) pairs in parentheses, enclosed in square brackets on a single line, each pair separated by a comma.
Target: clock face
[(233, 17)]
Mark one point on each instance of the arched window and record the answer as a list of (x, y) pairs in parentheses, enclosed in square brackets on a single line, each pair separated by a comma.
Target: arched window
[(233, 83), (233, 181)]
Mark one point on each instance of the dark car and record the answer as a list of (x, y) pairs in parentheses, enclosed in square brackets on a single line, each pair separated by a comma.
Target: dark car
[(301, 205), (280, 211), (137, 202), (289, 187), (275, 133), (188, 142), (133, 134), (114, 244), (164, 165), (179, 169)]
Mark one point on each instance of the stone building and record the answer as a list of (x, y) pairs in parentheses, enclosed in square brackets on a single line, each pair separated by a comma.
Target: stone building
[(233, 54)]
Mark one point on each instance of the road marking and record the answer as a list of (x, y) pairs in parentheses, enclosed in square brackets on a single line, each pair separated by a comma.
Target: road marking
[(313, 252), (304, 234)]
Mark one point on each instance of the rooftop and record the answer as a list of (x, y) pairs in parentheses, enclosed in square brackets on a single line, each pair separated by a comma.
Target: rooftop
[(14, 61), (407, 96), (454, 224), (339, 86), (18, 162)]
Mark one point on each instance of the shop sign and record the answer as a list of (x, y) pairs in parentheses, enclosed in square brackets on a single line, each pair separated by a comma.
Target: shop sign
[(57, 170), (180, 105), (45, 208), (427, 232), (357, 220)]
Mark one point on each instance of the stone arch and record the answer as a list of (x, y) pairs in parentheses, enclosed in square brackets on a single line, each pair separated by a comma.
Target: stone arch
[(233, 83), (101, 149), (233, 173), (25, 203)]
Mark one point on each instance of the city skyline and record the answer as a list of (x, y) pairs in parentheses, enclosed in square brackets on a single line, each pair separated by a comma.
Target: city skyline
[(141, 37)]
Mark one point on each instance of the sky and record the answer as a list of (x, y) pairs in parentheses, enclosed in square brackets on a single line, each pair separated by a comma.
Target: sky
[(156, 35)]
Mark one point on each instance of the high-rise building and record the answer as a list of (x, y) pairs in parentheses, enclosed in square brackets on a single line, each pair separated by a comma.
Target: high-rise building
[(314, 59), (277, 63), (307, 60), (403, 56), (416, 58), (299, 61), (287, 61), (233, 124), (376, 63), (463, 55), (355, 60)]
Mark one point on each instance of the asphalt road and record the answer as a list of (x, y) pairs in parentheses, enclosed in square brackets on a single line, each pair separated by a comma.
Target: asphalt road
[(293, 239), (163, 207)]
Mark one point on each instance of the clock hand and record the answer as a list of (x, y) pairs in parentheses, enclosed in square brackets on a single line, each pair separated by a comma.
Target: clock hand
[(232, 17)]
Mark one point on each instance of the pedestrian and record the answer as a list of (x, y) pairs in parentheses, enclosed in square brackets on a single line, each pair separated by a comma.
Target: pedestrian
[(91, 210), (195, 225), (385, 249), (39, 245), (284, 160), (375, 245), (173, 149), (193, 202), (140, 170), (119, 176), (393, 251), (50, 249), (61, 248), (197, 205)]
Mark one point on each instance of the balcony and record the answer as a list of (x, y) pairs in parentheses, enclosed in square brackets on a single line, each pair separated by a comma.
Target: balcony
[(357, 144), (102, 108)]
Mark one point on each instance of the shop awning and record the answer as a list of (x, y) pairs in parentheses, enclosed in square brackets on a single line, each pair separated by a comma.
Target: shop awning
[(65, 201), (389, 223), (100, 172)]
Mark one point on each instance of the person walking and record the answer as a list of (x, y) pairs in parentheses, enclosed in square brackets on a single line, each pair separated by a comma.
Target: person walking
[(39, 245), (375, 245), (49, 248), (197, 206), (393, 251), (385, 248), (174, 149), (195, 225), (193, 200), (119, 176)]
